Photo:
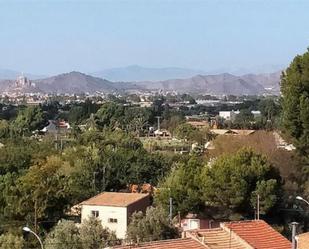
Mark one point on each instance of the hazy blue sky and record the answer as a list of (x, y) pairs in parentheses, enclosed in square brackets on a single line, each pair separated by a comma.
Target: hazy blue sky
[(47, 37)]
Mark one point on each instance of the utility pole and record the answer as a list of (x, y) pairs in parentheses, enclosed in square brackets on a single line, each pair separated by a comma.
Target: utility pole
[(258, 207), (171, 209), (294, 224), (158, 117), (36, 215)]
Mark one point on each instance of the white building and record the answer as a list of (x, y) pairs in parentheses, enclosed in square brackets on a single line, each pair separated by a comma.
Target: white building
[(256, 114), (23, 81), (228, 115), (231, 115), (114, 209)]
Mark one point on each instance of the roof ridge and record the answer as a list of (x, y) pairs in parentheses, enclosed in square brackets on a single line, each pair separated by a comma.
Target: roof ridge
[(93, 197), (207, 229), (165, 240), (236, 237), (249, 242), (244, 221)]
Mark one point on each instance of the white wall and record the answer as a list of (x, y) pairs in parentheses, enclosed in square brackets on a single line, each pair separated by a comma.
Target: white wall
[(228, 115), (106, 212)]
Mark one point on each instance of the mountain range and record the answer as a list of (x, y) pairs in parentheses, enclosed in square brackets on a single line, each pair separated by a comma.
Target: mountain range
[(220, 84), (138, 73)]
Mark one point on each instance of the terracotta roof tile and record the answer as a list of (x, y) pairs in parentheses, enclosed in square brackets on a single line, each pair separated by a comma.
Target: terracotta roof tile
[(115, 199), (187, 243), (218, 238), (259, 234)]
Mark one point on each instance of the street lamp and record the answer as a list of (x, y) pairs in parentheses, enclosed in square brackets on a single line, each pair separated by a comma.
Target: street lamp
[(302, 199), (28, 230)]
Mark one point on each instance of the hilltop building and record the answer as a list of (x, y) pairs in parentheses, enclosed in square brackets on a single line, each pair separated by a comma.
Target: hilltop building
[(23, 81)]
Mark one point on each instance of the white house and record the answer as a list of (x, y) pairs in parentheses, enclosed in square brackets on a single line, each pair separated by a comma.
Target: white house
[(256, 114), (231, 115), (114, 209), (228, 115)]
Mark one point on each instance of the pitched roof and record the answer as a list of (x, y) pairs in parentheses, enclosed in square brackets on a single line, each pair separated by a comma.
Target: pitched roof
[(115, 199), (187, 243), (218, 238), (259, 234), (232, 131)]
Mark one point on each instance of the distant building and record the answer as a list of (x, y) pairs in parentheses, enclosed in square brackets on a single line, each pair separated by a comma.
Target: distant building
[(145, 104), (56, 127), (231, 115), (199, 124), (235, 132), (256, 114), (193, 221), (162, 133), (23, 81), (228, 115), (114, 209)]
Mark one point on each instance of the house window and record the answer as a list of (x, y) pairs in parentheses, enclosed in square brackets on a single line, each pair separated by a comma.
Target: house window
[(112, 220), (95, 213)]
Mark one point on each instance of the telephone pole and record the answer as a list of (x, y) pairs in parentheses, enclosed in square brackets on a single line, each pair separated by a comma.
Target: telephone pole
[(258, 207), (158, 117)]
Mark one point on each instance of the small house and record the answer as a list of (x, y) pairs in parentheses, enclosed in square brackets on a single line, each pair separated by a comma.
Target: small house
[(114, 209)]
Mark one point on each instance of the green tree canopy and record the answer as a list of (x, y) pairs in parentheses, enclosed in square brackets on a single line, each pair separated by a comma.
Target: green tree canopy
[(89, 235), (295, 101), (29, 119), (183, 186), (11, 241), (154, 225), (244, 118), (191, 133), (230, 182), (4, 128), (43, 188), (94, 236), (65, 235)]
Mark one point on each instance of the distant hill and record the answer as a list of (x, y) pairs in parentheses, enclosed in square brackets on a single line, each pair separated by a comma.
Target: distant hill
[(219, 84), (138, 73), (4, 84), (74, 82), (251, 84), (269, 81)]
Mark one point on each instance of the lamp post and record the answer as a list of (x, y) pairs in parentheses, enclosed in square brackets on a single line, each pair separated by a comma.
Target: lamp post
[(302, 199), (294, 224), (28, 230)]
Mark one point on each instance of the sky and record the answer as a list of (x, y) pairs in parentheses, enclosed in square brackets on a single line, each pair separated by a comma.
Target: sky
[(53, 36)]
